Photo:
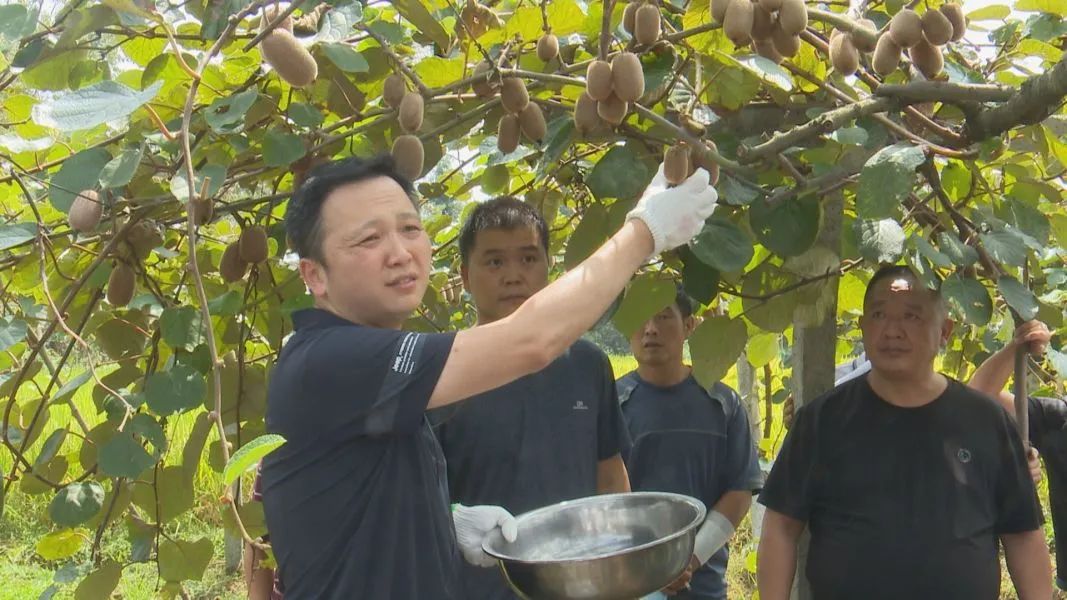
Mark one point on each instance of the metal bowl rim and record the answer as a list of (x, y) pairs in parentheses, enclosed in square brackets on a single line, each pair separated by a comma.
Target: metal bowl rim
[(695, 503)]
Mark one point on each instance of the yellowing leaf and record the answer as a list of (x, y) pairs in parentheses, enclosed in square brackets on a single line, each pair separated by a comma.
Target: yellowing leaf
[(436, 72), (1055, 7), (995, 12), (762, 349), (61, 544)]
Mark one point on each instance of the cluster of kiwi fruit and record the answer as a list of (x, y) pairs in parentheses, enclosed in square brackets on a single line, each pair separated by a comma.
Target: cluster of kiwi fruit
[(609, 90), (409, 106), (476, 19), (249, 249), (681, 160), (772, 26), (922, 36), (642, 21), (285, 54), (522, 116)]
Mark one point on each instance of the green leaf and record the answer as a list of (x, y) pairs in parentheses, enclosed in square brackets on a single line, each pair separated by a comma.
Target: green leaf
[(1030, 220), (435, 71), (1059, 362), (415, 12), (226, 305), (79, 172), (560, 135), (658, 70), (179, 186), (1054, 7), (1004, 247), (338, 23), (850, 136), (880, 241), (12, 331), (995, 12), (119, 171), (787, 228), (735, 193), (181, 560), (17, 145), (722, 245), (887, 178), (91, 106), (590, 233), (180, 327), (49, 449), (174, 497), (177, 390), (619, 174), (281, 149), (762, 349), (227, 115), (346, 58), (1058, 223), (249, 455), (956, 180), (968, 299), (646, 296), (305, 115), (13, 234), (1018, 297), (932, 254), (701, 282), (100, 583), (12, 21), (76, 503), (775, 313), (959, 253), (122, 456), (767, 70), (715, 346), (60, 544)]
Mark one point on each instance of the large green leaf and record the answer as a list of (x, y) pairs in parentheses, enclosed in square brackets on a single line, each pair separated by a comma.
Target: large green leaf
[(1055, 7), (280, 148), (214, 174), (619, 174), (701, 281), (100, 583), (338, 23), (91, 106), (932, 254), (415, 12), (249, 455), (959, 253), (176, 390), (968, 299), (227, 115), (119, 170), (1018, 297), (645, 297), (122, 456), (171, 497), (722, 245), (180, 327), (346, 58), (764, 302), (591, 232), (49, 448), (181, 560), (12, 331), (880, 241), (79, 172), (60, 544), (887, 178), (13, 234), (1005, 247), (715, 346), (76, 503), (787, 228)]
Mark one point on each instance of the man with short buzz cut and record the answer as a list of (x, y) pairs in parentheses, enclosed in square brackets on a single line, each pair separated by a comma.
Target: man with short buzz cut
[(550, 436), (688, 439), (906, 478)]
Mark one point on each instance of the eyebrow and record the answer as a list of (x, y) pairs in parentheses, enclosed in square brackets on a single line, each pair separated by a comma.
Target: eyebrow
[(532, 247)]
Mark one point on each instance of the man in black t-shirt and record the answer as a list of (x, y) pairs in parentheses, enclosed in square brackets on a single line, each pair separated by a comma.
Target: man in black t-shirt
[(356, 500), (547, 437), (905, 478)]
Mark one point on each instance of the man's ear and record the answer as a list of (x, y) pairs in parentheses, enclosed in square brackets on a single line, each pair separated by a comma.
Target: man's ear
[(947, 325), (314, 274), (464, 275), (691, 322)]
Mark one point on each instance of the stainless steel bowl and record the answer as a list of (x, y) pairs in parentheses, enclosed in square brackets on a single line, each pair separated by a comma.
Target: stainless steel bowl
[(610, 547)]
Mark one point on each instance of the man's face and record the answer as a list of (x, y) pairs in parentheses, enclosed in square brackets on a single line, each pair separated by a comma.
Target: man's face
[(377, 254), (659, 342), (903, 327), (505, 267)]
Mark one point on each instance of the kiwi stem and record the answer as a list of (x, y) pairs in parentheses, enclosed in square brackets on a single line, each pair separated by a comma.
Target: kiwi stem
[(605, 30), (270, 26)]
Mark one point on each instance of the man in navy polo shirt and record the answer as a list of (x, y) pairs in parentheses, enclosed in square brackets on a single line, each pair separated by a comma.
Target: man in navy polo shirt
[(356, 500), (551, 436), (690, 440)]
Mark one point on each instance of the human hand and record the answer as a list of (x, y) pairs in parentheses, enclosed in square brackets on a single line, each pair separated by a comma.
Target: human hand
[(1034, 334), (682, 582), (1033, 460), (674, 215), (474, 524)]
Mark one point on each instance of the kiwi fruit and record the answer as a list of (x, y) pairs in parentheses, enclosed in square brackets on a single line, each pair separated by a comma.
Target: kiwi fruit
[(863, 43), (627, 76), (142, 237), (270, 13), (718, 10), (629, 17), (410, 112), (770, 5), (203, 209), (290, 60), (532, 122), (738, 21), (547, 47), (612, 109), (586, 118), (253, 244), (231, 267), (676, 163), (793, 16), (927, 59), (120, 285), (700, 160), (409, 155), (394, 89), (507, 134), (937, 29), (906, 28), (513, 95), (762, 23), (886, 55), (598, 80), (843, 55), (483, 86), (954, 13), (85, 212), (786, 44), (766, 49), (647, 25)]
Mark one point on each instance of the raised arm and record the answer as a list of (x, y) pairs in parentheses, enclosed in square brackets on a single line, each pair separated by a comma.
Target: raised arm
[(993, 374)]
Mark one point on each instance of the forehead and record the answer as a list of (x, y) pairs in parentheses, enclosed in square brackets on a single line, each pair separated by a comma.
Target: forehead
[(900, 290), (507, 238), (363, 201)]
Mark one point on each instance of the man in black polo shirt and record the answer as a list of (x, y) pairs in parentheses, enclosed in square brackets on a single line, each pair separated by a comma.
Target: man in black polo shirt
[(356, 500), (905, 477), (551, 436), (688, 439)]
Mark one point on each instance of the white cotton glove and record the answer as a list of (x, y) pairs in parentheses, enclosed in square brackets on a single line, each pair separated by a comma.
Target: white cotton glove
[(713, 535), (675, 215), (475, 523)]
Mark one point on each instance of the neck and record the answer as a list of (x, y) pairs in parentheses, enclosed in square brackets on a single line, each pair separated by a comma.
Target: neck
[(907, 391), (664, 375), (324, 304)]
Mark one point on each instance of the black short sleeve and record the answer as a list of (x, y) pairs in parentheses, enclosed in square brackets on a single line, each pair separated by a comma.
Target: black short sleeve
[(611, 430), (1047, 417), (789, 488), (1016, 498), (742, 461)]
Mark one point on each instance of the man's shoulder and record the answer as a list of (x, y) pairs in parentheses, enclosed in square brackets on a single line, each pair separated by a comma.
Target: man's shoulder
[(584, 352), (835, 399), (976, 402)]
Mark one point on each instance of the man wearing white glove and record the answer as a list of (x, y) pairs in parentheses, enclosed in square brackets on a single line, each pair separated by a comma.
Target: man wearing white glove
[(473, 526), (356, 500)]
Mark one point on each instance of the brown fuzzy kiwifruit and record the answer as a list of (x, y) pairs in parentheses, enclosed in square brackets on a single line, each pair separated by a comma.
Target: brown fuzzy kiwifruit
[(483, 86), (203, 209), (906, 28), (937, 29), (770, 5), (766, 49), (410, 112), (120, 285), (787, 45), (629, 17), (762, 23), (532, 122), (886, 55), (927, 59), (586, 119), (408, 154), (718, 10), (843, 55), (647, 24), (737, 25), (865, 43), (598, 80), (393, 90), (676, 163), (956, 18), (231, 267), (85, 212), (289, 58), (547, 47), (513, 95), (507, 133), (270, 13), (701, 160), (612, 109), (253, 244), (793, 16), (627, 76)]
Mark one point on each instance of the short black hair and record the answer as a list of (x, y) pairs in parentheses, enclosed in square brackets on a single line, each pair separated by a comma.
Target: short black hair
[(897, 271), (303, 215), (502, 212), (683, 302)]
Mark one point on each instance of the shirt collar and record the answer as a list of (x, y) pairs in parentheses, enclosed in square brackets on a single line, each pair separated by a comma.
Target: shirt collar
[(317, 318)]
